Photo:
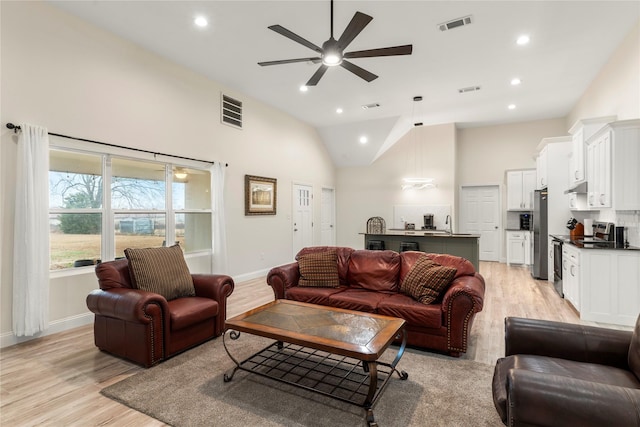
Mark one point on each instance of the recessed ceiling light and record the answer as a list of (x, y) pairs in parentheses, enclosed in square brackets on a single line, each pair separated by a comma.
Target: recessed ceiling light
[(303, 88), (512, 106), (523, 39), (201, 21), (363, 140), (515, 81), (339, 110)]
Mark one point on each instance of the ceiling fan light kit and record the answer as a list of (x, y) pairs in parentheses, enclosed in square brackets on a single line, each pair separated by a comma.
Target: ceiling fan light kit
[(332, 51)]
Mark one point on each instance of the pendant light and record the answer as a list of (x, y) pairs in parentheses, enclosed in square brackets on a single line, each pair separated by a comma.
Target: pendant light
[(418, 181)]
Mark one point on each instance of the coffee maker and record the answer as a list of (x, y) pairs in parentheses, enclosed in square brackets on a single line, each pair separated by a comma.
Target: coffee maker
[(428, 222)]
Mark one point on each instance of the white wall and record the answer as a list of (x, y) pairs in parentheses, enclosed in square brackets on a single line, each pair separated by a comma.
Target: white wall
[(364, 192), (77, 80), (615, 91)]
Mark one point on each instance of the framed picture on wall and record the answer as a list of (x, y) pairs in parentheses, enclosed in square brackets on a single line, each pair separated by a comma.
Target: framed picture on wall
[(260, 195)]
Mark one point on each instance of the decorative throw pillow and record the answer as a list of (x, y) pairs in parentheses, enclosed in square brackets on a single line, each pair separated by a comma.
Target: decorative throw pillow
[(426, 280), (161, 270), (319, 269)]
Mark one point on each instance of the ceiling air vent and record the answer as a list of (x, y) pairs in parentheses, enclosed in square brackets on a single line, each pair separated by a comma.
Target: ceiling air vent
[(469, 89), (455, 23), (368, 106), (231, 111)]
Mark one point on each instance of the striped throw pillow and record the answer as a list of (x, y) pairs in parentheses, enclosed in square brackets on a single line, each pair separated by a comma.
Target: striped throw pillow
[(161, 270), (426, 280), (319, 269)]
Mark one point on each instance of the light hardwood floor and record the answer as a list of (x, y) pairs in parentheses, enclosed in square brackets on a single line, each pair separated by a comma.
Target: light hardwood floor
[(56, 380)]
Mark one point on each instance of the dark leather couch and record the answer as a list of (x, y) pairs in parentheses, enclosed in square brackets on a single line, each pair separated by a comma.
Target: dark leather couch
[(146, 328), (370, 282), (560, 374)]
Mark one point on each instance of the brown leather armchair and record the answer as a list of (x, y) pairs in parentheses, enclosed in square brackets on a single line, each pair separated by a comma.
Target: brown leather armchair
[(560, 374), (146, 328)]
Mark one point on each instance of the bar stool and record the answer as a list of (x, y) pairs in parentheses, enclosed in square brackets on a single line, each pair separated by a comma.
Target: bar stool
[(376, 245), (409, 246)]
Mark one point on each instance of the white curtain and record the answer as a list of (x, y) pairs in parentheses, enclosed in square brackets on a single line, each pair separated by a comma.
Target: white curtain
[(218, 171), (31, 233)]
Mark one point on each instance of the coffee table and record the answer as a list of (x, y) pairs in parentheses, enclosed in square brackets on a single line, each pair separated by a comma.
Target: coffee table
[(327, 350)]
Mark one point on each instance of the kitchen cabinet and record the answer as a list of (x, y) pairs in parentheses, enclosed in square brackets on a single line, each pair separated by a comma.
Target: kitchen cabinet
[(599, 171), (613, 176), (609, 291), (577, 168), (571, 275), (580, 132), (528, 247), (518, 247), (578, 202), (520, 185), (541, 168), (553, 158)]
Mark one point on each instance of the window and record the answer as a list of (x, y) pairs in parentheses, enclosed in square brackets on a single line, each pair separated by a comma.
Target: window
[(100, 204)]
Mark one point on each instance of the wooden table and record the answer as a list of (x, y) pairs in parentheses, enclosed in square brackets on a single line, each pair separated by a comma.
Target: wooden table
[(327, 350)]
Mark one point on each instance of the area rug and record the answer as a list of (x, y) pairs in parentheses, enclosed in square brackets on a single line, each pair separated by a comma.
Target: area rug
[(189, 390)]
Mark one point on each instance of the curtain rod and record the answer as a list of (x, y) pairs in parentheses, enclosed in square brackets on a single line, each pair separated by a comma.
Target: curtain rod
[(17, 128)]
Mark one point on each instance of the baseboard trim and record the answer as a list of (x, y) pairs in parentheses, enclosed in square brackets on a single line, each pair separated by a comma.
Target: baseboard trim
[(8, 338), (250, 276)]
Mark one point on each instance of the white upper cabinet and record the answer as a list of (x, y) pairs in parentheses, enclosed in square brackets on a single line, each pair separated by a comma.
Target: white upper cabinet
[(613, 175), (541, 169), (520, 185), (580, 132)]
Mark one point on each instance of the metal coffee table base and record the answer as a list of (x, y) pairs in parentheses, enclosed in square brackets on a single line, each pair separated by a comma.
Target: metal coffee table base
[(344, 378)]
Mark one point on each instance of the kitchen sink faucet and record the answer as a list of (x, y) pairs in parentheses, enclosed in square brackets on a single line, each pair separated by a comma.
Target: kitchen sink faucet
[(450, 223)]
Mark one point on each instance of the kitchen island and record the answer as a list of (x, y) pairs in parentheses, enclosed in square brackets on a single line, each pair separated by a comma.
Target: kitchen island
[(431, 241)]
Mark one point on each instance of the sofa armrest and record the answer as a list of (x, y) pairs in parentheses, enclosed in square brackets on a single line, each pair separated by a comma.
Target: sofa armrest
[(217, 287), (462, 300), (213, 286), (131, 305), (283, 277), (538, 399), (580, 343)]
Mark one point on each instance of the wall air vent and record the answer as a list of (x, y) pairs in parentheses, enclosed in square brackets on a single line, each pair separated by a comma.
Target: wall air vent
[(469, 89), (368, 106), (455, 23), (231, 111)]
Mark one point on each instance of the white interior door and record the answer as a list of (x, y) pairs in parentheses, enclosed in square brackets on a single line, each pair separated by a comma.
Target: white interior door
[(480, 214), (302, 217), (327, 218)]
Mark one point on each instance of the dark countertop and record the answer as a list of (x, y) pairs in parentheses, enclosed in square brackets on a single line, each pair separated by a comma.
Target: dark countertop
[(590, 243), (422, 233)]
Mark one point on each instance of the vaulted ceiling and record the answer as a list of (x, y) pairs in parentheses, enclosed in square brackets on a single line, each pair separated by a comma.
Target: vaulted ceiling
[(570, 41)]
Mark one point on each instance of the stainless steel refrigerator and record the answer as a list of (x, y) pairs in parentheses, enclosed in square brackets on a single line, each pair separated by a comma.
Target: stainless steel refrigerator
[(540, 235)]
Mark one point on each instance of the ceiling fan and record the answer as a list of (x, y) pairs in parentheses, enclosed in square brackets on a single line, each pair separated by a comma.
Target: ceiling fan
[(332, 51)]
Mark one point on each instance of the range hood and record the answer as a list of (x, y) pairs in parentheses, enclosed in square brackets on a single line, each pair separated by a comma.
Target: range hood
[(578, 188)]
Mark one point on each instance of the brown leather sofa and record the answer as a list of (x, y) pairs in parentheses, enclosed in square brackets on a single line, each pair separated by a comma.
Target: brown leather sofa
[(560, 374), (146, 328), (443, 325)]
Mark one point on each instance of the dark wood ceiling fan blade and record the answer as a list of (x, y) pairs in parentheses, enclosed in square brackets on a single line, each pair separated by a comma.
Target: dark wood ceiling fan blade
[(296, 38), (360, 72), (357, 24), (315, 59), (317, 75), (383, 51)]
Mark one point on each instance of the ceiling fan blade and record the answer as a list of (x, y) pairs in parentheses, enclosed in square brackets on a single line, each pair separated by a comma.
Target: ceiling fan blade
[(357, 24), (383, 51), (317, 75), (315, 59), (360, 72), (296, 38)]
